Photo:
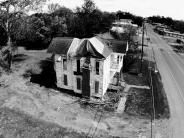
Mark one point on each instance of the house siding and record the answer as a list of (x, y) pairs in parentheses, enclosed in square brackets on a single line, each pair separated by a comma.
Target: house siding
[(105, 76), (94, 77), (106, 70)]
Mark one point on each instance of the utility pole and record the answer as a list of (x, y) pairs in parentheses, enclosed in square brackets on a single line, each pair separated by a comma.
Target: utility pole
[(142, 51)]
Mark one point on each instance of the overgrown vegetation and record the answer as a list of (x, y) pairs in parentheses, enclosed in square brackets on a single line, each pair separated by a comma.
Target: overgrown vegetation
[(139, 101)]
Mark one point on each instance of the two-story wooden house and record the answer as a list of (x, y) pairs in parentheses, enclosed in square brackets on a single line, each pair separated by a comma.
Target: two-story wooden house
[(87, 66)]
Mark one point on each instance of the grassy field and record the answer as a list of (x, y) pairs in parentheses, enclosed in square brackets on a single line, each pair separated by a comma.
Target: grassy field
[(32, 106), (17, 124)]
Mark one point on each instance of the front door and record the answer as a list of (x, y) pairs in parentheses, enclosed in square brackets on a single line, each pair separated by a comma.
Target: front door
[(86, 79)]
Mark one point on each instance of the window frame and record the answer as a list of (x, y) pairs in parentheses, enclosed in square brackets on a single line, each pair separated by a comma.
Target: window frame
[(65, 80), (97, 70), (80, 81), (78, 65), (64, 64), (97, 83)]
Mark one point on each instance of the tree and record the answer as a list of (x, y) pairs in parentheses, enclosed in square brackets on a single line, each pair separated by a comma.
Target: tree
[(53, 7), (11, 10), (88, 6)]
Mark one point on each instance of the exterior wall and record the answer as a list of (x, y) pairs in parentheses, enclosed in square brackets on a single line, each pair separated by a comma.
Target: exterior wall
[(74, 68), (94, 77), (107, 69), (116, 66), (72, 79), (60, 72)]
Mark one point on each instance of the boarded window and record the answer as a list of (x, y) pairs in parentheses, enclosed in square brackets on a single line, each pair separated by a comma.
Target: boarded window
[(65, 80), (78, 83), (78, 65), (97, 67), (96, 86), (64, 64)]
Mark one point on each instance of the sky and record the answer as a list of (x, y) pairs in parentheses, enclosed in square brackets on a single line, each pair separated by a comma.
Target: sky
[(145, 8)]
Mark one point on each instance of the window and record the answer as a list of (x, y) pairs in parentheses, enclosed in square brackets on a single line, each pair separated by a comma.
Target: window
[(78, 65), (65, 80), (118, 59), (97, 67), (78, 83), (64, 64), (121, 58), (96, 86)]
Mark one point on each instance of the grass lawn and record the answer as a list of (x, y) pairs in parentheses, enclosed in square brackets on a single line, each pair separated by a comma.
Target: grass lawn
[(30, 106)]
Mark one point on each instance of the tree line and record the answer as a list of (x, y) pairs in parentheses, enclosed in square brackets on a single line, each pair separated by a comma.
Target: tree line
[(175, 25), (37, 30)]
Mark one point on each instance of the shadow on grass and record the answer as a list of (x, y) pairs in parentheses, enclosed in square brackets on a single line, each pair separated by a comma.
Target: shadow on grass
[(47, 76)]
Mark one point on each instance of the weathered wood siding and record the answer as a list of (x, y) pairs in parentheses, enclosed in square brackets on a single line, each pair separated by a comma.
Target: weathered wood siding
[(105, 76), (72, 79), (74, 68), (94, 77), (60, 72), (116, 66)]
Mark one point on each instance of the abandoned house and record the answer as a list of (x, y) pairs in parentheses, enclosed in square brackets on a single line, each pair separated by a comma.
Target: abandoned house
[(87, 66)]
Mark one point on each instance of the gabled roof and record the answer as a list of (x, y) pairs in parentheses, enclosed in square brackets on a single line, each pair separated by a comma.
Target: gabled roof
[(95, 47), (118, 46), (106, 35), (60, 45)]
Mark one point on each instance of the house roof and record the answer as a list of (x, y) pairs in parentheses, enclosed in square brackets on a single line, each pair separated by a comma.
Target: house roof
[(118, 46), (60, 45), (106, 35), (96, 47)]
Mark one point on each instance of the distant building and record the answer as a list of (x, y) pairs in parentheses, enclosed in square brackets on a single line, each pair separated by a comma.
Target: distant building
[(87, 66), (121, 25)]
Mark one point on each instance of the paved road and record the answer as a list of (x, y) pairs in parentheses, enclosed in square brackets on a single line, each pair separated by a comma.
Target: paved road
[(171, 68)]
